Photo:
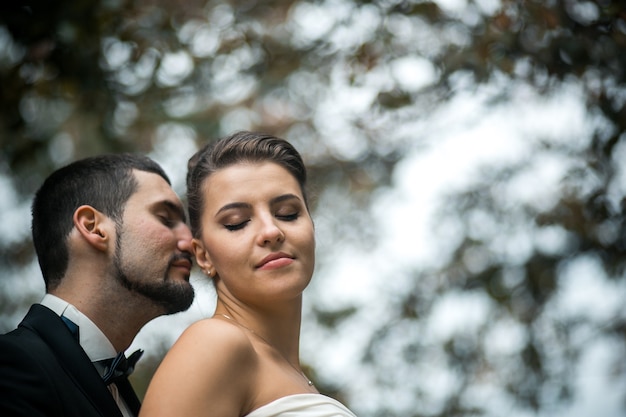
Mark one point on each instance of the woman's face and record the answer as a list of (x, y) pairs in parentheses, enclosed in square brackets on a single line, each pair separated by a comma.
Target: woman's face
[(257, 233)]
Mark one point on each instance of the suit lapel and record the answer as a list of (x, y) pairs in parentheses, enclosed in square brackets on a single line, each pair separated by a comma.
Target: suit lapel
[(72, 357), (129, 396)]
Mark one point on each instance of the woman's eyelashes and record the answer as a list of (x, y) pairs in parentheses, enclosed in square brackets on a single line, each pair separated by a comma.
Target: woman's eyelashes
[(288, 217), (238, 225)]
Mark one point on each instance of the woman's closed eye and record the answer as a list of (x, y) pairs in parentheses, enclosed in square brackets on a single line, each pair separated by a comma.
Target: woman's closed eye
[(288, 217), (236, 226)]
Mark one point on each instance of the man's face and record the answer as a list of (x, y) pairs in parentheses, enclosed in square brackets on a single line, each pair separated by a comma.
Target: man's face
[(153, 252)]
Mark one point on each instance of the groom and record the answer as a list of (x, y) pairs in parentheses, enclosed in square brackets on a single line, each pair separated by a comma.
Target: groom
[(114, 251)]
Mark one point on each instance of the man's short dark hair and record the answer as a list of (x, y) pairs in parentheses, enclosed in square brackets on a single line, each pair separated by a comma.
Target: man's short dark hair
[(105, 182)]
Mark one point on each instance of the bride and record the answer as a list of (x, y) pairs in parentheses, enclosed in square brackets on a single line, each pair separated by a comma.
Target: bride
[(254, 237)]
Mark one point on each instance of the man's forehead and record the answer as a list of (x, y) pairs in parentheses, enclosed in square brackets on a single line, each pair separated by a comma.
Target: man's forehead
[(153, 187)]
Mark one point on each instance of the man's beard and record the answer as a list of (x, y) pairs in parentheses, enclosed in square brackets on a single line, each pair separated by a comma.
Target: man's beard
[(172, 296)]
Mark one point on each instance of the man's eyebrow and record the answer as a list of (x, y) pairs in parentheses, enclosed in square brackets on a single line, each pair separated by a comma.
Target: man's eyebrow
[(175, 208)]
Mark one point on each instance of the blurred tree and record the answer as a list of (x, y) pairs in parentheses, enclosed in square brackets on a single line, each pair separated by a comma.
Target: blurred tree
[(83, 77), (543, 44)]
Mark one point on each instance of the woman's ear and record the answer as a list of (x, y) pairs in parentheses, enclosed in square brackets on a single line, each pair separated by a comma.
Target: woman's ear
[(202, 257), (93, 226)]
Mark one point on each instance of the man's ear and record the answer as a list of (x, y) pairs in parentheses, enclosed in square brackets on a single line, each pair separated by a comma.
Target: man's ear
[(93, 226)]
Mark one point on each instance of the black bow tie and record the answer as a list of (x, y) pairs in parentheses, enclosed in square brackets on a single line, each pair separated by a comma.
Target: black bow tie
[(120, 366)]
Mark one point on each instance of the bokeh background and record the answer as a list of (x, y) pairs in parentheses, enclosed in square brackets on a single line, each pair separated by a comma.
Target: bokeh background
[(468, 177)]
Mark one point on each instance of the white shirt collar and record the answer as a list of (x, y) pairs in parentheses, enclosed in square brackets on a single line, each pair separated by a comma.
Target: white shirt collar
[(92, 340)]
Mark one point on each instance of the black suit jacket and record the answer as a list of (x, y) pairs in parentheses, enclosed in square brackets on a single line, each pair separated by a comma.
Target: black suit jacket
[(45, 372)]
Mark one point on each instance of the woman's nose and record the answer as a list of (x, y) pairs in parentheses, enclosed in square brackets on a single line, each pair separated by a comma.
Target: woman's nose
[(270, 233)]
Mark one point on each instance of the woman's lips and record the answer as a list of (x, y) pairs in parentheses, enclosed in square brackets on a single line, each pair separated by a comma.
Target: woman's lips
[(275, 260)]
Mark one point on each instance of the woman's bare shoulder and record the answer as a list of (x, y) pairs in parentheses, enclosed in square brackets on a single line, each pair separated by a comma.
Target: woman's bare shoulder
[(206, 328), (214, 340), (211, 365)]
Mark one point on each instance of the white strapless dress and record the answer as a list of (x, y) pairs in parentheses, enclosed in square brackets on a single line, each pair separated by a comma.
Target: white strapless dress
[(303, 405)]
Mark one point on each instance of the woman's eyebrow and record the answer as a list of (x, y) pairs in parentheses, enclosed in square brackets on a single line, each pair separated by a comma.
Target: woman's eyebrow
[(239, 205), (234, 206), (284, 197)]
